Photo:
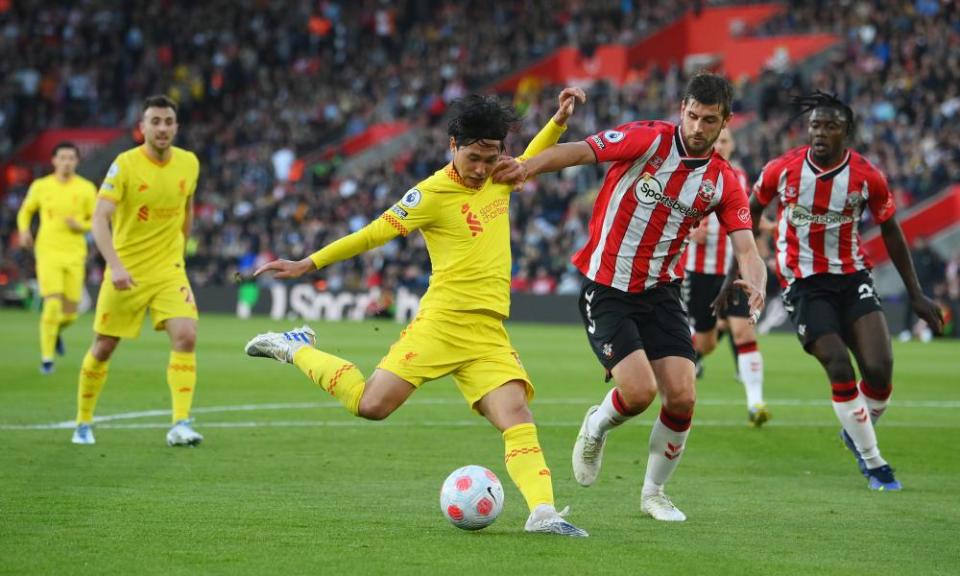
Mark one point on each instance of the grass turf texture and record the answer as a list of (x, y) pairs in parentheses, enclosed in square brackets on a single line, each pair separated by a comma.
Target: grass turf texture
[(306, 488)]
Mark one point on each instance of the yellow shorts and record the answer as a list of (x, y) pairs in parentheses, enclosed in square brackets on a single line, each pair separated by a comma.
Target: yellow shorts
[(120, 313), (472, 346), (60, 276)]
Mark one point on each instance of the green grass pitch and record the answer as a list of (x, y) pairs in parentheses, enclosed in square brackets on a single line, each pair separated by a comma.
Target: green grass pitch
[(287, 483)]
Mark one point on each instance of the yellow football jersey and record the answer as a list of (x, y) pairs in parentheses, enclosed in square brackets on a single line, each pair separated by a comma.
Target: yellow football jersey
[(151, 200), (56, 201), (467, 232)]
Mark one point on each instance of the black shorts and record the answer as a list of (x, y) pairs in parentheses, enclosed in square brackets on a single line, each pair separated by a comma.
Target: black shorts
[(829, 304), (619, 323), (699, 291)]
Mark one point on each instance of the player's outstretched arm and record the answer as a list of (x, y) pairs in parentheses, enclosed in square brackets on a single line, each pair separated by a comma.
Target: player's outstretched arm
[(753, 271), (377, 233), (719, 303), (900, 255), (102, 215), (556, 157)]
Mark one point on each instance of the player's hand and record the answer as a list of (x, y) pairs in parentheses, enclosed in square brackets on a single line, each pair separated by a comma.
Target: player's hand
[(699, 234), (73, 224), (930, 312), (26, 240), (720, 303), (122, 280), (509, 171), (567, 104), (284, 269), (756, 295)]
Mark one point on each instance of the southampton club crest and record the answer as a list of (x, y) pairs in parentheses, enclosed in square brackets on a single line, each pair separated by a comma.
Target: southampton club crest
[(707, 190)]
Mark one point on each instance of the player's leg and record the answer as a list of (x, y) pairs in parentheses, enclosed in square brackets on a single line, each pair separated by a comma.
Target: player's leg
[(749, 362), (405, 367), (72, 292), (495, 384), (93, 375), (670, 352), (869, 339), (50, 319), (611, 322), (675, 380), (50, 278), (700, 291)]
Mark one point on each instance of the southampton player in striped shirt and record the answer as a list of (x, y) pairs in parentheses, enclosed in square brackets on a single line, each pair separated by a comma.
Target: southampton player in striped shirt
[(142, 220), (65, 202), (464, 218), (709, 255), (823, 189), (664, 180)]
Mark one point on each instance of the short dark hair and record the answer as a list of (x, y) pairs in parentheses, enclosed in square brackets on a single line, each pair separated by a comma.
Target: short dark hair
[(159, 101), (65, 145), (820, 99), (477, 117), (709, 88)]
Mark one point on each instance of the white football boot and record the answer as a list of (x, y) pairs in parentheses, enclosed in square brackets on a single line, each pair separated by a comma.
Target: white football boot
[(281, 346), (657, 505), (83, 434), (588, 452), (546, 520), (182, 434)]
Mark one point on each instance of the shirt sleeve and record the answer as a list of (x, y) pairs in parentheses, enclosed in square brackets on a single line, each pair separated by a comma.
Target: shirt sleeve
[(880, 198), (733, 211), (30, 206), (114, 185), (626, 142), (765, 188), (414, 211), (547, 137)]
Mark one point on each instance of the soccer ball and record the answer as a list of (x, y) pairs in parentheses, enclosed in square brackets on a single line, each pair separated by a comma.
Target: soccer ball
[(471, 497)]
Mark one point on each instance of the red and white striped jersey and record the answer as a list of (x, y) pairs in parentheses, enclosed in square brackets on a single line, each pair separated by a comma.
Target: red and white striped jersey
[(715, 254), (818, 221), (651, 197)]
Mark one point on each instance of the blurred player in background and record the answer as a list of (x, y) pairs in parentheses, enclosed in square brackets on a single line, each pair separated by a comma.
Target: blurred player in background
[(142, 220), (664, 180), (823, 189), (65, 202), (709, 256), (464, 218)]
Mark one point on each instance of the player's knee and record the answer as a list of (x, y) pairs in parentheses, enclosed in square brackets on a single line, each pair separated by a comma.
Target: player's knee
[(838, 368), (103, 347), (706, 345), (637, 397), (372, 408), (878, 372), (681, 401), (185, 340)]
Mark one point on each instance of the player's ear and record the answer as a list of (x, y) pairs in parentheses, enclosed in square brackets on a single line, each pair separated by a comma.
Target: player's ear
[(453, 145)]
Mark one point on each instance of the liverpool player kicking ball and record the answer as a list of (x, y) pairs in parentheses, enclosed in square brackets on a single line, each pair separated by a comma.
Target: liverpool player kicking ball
[(464, 218), (664, 180), (823, 189)]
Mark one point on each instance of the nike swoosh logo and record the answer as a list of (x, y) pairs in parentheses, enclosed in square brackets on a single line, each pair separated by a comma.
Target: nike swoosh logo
[(490, 492), (588, 296)]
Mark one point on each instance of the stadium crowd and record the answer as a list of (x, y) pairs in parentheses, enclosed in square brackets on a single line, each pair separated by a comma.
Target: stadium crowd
[(256, 86)]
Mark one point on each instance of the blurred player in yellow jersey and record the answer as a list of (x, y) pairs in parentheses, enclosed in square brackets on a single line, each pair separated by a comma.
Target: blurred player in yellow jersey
[(65, 202), (142, 219), (464, 218)]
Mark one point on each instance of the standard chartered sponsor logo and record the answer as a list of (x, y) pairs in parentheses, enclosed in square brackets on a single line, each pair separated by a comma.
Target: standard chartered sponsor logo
[(801, 216), (650, 191)]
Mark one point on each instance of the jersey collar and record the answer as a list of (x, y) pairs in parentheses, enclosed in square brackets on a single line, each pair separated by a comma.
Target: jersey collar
[(691, 162), (827, 173), (452, 174)]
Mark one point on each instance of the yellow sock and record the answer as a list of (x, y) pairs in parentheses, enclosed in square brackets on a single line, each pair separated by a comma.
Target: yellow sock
[(93, 375), (182, 379), (526, 465), (339, 378), (50, 326)]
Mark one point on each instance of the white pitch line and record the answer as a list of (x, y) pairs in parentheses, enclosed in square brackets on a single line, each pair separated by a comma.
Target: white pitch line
[(101, 420), (476, 423)]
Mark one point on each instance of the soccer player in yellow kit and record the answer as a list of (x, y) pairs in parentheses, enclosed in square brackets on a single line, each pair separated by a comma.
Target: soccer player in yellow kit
[(65, 202), (142, 219), (464, 218)]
